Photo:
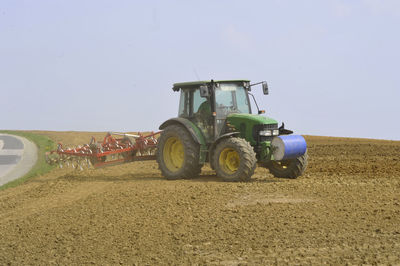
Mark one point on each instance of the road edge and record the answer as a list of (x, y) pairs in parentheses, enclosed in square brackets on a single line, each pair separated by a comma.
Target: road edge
[(27, 162), (43, 144)]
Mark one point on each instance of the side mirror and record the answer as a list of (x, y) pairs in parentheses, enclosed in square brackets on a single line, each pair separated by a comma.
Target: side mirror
[(204, 92), (246, 85), (265, 87)]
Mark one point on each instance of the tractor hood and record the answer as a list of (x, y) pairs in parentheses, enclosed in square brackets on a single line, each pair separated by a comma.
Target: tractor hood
[(249, 125), (236, 119)]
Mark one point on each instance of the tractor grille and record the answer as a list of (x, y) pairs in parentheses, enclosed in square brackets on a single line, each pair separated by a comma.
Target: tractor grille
[(269, 126), (258, 128)]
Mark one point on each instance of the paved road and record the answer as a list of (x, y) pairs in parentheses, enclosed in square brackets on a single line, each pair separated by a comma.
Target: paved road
[(17, 156)]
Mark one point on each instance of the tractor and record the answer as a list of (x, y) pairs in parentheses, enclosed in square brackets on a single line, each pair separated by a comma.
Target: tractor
[(215, 125)]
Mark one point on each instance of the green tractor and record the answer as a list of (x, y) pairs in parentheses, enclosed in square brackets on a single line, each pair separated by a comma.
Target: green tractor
[(215, 125)]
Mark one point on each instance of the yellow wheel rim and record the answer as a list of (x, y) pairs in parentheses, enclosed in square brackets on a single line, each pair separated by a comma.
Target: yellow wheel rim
[(229, 160), (174, 154)]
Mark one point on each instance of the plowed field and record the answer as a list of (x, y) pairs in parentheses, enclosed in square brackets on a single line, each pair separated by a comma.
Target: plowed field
[(345, 209)]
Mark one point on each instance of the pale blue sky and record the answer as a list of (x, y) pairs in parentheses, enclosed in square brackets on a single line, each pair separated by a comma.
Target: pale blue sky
[(332, 66)]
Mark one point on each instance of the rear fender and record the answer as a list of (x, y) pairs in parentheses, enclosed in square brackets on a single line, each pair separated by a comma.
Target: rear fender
[(194, 131)]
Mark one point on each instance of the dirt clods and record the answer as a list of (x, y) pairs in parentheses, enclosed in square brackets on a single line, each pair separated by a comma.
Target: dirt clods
[(344, 209)]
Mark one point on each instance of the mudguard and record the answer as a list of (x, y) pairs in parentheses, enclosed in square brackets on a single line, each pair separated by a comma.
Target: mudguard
[(227, 135), (191, 127), (194, 131)]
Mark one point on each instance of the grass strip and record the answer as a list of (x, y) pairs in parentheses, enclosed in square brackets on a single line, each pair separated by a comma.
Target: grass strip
[(44, 144)]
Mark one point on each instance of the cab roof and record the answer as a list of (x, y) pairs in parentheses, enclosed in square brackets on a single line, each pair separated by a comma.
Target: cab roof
[(195, 84)]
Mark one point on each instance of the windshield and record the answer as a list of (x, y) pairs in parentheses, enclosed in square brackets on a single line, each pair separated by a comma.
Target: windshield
[(231, 98)]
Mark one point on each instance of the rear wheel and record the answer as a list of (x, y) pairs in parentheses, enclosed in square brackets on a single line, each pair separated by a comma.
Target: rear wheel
[(234, 160), (292, 168), (178, 154)]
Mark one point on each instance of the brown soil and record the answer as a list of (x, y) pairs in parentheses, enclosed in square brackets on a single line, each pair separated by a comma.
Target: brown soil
[(345, 209)]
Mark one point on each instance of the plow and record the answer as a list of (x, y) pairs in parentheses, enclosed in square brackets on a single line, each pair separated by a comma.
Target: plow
[(111, 151), (215, 125)]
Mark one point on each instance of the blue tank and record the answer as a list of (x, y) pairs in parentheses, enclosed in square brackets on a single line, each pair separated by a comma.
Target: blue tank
[(288, 147)]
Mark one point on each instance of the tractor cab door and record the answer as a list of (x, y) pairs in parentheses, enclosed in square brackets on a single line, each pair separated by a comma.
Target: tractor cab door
[(197, 109), (230, 98)]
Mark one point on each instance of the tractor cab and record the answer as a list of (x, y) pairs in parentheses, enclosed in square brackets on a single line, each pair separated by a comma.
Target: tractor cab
[(209, 103)]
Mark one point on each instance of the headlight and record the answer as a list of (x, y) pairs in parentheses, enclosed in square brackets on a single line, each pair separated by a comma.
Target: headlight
[(275, 132), (266, 133)]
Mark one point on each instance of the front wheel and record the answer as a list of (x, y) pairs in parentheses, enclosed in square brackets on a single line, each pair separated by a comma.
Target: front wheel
[(234, 160), (292, 168)]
